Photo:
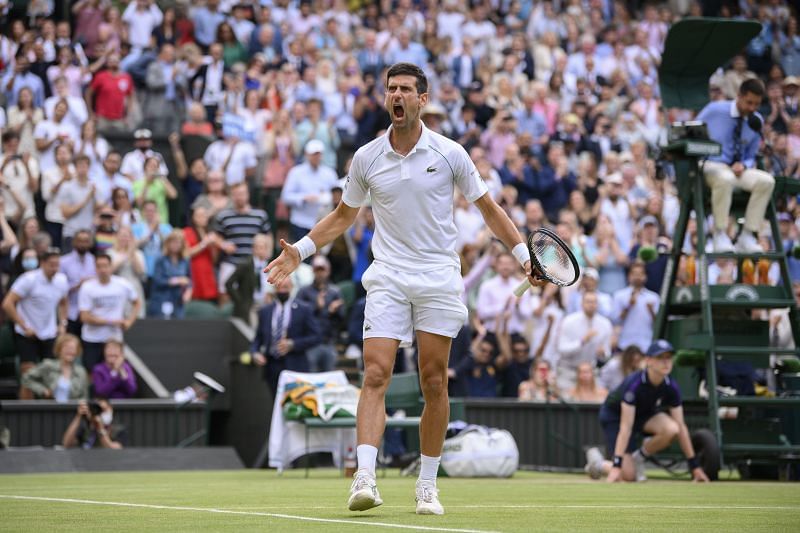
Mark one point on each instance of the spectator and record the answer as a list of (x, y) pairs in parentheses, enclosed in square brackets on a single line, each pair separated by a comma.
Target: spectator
[(586, 389), (495, 296), (60, 379), (206, 84), (155, 187), (23, 119), (235, 158), (114, 377), (635, 309), (307, 190), (78, 266), (121, 204), (279, 155), (206, 21), (127, 261), (514, 360), (37, 305), (102, 302), (479, 371), (95, 147), (247, 286), (150, 233), (171, 284), (540, 386), (133, 162), (196, 122), (77, 113), (649, 236), (53, 132), (19, 171), (619, 211), (142, 17), (92, 427), (605, 252), (161, 107), (88, 17), (361, 234), (286, 329), (547, 315), (111, 97), (51, 183), (77, 200), (236, 228), (588, 283), (105, 233), (329, 310), (585, 337), (108, 178), (202, 251), (215, 197), (620, 366), (316, 128), (21, 76)]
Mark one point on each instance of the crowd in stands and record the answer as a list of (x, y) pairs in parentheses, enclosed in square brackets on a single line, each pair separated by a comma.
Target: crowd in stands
[(257, 108)]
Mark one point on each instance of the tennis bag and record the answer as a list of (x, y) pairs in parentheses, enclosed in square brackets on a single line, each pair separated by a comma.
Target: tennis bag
[(479, 451)]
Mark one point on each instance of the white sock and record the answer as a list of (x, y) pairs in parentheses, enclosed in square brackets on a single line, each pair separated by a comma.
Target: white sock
[(429, 468), (367, 457)]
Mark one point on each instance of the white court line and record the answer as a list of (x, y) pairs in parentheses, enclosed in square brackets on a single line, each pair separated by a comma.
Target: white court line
[(588, 506), (245, 513)]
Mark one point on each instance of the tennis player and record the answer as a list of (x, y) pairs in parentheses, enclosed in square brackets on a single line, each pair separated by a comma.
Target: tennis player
[(414, 284)]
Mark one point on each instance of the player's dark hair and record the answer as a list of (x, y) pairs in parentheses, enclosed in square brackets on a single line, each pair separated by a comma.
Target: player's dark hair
[(408, 69), (752, 86)]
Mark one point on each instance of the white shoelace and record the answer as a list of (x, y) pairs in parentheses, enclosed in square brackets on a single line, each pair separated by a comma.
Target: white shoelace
[(428, 493)]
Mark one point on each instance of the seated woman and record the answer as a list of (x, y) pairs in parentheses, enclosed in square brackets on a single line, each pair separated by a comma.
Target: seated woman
[(541, 385), (60, 379), (585, 389), (172, 286), (114, 377)]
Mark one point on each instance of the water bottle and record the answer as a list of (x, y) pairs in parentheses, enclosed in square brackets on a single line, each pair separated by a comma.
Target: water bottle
[(350, 462)]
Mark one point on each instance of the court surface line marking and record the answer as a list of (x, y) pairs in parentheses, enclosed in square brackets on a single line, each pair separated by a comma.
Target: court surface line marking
[(245, 513)]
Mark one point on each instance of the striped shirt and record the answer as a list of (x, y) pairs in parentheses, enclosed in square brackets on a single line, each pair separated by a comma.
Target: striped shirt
[(240, 228)]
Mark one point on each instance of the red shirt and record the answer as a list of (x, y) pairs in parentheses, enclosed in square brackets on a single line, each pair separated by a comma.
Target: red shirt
[(109, 94)]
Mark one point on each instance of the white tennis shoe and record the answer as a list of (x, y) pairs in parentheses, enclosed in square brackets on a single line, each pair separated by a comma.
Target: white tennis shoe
[(594, 463), (363, 492), (639, 463), (427, 496)]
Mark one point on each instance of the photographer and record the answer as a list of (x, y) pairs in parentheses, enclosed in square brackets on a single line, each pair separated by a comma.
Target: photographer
[(91, 427)]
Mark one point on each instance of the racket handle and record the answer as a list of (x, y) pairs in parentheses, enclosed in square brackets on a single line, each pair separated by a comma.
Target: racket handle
[(521, 288)]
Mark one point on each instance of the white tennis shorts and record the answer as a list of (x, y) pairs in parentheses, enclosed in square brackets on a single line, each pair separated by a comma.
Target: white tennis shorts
[(400, 302)]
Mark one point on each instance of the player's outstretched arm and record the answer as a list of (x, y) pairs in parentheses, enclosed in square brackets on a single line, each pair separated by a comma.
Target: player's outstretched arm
[(324, 232)]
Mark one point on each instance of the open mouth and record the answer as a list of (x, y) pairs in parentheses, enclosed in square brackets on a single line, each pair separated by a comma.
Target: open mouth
[(398, 111)]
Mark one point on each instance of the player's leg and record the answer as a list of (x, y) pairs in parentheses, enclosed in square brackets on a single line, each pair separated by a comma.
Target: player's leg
[(379, 354), (663, 430), (597, 466)]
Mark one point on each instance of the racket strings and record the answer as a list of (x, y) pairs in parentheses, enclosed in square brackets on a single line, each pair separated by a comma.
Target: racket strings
[(553, 258)]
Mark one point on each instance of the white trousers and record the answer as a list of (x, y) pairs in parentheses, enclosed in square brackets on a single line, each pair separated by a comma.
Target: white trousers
[(721, 179)]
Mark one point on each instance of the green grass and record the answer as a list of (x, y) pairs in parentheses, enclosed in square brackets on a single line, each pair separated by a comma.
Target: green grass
[(263, 501)]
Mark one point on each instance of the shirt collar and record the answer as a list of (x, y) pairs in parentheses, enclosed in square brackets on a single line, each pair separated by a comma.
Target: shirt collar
[(734, 110), (423, 143)]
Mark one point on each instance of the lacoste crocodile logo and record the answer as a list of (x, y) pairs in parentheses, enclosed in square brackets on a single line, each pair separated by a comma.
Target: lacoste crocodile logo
[(430, 169)]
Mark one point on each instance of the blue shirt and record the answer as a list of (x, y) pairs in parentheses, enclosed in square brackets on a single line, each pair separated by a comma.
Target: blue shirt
[(721, 119), (648, 399), (205, 25)]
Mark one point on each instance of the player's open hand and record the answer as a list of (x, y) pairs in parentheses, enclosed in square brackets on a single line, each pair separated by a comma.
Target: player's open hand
[(614, 475), (699, 476), (284, 264), (535, 277)]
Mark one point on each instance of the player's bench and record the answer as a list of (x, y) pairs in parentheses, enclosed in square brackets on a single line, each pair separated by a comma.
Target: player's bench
[(411, 422)]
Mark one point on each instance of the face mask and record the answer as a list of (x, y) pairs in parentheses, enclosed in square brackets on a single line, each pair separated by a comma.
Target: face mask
[(282, 296), (30, 263), (106, 417)]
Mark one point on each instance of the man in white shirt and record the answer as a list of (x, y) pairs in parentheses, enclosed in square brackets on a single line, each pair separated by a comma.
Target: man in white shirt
[(585, 337), (142, 17), (133, 162), (102, 302), (590, 279), (307, 190), (77, 113), (237, 159), (20, 177), (617, 208), (37, 305), (496, 297), (635, 309), (415, 283), (77, 200), (110, 178), (50, 133)]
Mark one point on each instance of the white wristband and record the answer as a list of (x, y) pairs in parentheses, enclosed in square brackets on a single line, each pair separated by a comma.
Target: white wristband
[(520, 251), (306, 247)]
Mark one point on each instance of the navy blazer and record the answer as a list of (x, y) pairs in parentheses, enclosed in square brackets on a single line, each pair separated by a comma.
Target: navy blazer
[(303, 329)]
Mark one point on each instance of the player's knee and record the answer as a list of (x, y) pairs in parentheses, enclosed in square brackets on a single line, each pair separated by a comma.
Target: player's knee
[(433, 384), (671, 430), (377, 377)]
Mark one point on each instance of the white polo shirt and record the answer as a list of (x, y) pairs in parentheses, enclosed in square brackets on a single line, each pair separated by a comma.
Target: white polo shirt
[(38, 303), (412, 199), (242, 156), (107, 301)]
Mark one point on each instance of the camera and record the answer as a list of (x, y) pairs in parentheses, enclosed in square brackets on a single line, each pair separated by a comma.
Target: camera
[(95, 409)]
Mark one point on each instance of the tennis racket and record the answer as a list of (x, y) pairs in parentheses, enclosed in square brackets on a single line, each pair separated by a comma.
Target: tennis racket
[(551, 259)]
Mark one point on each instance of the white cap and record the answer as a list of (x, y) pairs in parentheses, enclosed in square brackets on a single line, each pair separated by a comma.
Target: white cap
[(315, 146)]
